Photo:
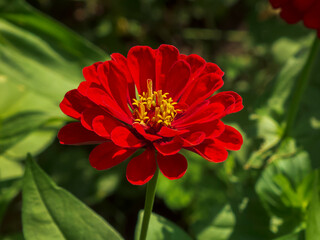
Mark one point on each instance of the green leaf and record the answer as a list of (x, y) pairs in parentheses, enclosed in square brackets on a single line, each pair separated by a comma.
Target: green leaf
[(220, 227), (234, 221), (313, 221), (17, 127), (10, 169), (160, 228), (41, 54), (50, 212), (86, 183), (40, 60), (284, 189)]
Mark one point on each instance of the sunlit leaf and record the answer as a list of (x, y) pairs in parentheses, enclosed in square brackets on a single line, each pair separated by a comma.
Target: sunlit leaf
[(40, 60), (161, 228), (50, 212), (284, 188), (220, 227), (313, 221)]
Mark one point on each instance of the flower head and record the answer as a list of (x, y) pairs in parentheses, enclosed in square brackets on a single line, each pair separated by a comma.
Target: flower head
[(293, 11), (158, 100)]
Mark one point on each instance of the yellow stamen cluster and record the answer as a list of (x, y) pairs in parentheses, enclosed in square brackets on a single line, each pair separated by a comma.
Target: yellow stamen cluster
[(154, 108)]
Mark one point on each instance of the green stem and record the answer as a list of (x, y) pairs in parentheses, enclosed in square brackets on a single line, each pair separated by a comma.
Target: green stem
[(150, 194), (300, 87)]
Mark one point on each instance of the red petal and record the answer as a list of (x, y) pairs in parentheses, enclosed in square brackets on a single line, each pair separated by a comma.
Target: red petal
[(141, 63), (170, 132), (202, 114), (101, 98), (166, 56), (90, 72), (303, 5), (278, 3), (75, 134), (88, 115), (107, 155), (104, 124), (96, 94), (231, 139), (169, 148), (173, 166), (122, 62), (114, 86), (140, 129), (74, 103), (193, 139), (211, 129), (211, 151), (238, 106), (231, 101), (83, 88), (177, 79), (312, 18), (212, 68), (118, 86), (196, 63), (181, 106), (290, 14), (141, 168), (201, 89), (122, 137)]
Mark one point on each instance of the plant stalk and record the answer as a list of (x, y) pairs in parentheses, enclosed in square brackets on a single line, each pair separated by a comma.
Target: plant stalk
[(300, 87), (150, 194)]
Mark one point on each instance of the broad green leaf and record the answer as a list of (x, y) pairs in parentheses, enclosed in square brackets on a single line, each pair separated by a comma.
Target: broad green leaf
[(50, 212), (220, 227), (17, 127), (284, 188), (39, 53), (35, 142), (40, 60), (234, 221), (10, 169), (313, 221), (160, 228), (86, 183)]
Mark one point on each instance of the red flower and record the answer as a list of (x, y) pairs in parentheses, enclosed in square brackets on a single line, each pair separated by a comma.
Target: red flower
[(293, 11), (156, 100)]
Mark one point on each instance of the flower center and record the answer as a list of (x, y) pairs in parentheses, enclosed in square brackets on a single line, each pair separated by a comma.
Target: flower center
[(154, 108)]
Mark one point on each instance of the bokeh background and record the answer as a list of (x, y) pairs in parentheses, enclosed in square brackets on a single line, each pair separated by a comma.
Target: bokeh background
[(261, 192)]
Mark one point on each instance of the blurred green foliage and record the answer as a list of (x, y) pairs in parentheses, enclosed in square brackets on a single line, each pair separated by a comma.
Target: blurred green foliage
[(268, 190)]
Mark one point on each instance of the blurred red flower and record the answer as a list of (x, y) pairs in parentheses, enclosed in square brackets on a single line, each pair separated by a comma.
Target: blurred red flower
[(156, 100), (293, 11)]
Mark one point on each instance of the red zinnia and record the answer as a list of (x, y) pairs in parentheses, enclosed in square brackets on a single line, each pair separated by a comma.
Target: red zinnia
[(293, 11), (153, 99)]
